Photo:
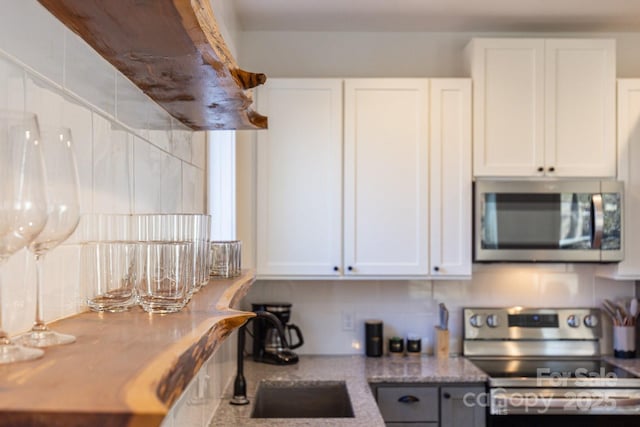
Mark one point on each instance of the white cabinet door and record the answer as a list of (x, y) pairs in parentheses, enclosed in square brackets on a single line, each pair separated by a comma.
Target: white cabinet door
[(629, 173), (580, 108), (543, 107), (299, 176), (450, 191), (386, 180), (508, 106)]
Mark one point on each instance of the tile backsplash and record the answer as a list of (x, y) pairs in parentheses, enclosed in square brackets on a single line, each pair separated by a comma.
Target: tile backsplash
[(132, 156), (322, 309)]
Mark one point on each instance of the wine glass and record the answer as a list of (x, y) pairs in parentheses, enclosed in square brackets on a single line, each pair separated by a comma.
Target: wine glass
[(23, 203), (63, 215)]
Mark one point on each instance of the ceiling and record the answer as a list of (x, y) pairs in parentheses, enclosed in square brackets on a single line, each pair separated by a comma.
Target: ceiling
[(439, 15)]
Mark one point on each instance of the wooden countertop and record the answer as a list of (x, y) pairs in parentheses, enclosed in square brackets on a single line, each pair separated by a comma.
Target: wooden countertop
[(126, 369)]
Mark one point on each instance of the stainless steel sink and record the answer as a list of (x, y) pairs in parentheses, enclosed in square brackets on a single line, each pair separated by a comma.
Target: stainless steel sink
[(302, 399)]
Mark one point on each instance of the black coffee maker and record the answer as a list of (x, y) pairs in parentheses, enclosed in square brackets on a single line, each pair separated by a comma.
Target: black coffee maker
[(268, 347)]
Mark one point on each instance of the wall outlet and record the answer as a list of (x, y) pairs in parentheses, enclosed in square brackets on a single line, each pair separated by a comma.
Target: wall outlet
[(348, 321)]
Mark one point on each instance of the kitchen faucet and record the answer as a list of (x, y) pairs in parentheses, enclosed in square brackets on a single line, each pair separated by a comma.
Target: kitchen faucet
[(240, 384)]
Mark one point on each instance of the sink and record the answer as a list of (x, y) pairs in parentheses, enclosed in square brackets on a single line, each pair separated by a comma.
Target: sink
[(302, 399)]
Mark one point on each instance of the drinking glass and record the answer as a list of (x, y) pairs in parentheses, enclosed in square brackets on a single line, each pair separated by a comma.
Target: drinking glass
[(164, 283), (23, 203), (110, 271), (63, 214)]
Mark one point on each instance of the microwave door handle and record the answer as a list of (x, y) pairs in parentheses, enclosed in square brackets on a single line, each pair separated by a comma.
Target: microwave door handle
[(597, 221)]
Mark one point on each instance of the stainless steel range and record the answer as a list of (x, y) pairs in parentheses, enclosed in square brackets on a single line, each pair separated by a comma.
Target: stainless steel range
[(545, 367)]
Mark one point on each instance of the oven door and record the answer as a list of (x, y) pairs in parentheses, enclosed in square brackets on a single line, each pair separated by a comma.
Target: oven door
[(564, 407)]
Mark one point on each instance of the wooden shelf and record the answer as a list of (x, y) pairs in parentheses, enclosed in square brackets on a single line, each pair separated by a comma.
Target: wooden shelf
[(174, 52), (126, 369)]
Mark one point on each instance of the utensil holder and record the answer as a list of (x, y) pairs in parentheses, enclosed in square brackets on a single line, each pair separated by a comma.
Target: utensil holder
[(442, 343), (624, 342)]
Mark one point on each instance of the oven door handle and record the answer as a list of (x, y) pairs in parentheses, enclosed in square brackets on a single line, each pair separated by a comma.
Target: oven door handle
[(517, 403), (597, 221)]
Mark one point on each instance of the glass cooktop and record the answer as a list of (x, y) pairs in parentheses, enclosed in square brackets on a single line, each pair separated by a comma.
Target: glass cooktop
[(536, 368)]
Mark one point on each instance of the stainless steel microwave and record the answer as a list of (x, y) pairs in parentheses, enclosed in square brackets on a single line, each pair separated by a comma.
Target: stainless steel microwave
[(548, 221)]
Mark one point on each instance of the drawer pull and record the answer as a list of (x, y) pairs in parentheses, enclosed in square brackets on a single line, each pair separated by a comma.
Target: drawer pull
[(408, 399), (446, 395)]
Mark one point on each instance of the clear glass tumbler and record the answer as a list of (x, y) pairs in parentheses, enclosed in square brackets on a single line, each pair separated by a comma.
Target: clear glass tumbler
[(110, 271), (165, 279)]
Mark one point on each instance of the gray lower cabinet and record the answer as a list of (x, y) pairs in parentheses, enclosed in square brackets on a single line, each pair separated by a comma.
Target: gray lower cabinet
[(462, 406), (427, 405)]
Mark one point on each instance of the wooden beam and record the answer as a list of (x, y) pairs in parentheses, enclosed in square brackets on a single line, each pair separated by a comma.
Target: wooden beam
[(174, 52)]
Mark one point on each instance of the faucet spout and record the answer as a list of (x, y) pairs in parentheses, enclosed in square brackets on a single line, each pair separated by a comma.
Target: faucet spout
[(240, 384)]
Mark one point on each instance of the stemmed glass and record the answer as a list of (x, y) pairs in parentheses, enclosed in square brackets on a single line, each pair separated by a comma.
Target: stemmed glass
[(63, 216), (23, 203)]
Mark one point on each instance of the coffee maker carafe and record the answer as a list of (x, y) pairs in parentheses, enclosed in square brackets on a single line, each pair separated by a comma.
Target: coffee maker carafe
[(268, 347)]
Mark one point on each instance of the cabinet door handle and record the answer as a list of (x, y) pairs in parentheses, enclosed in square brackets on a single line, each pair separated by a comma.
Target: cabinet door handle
[(350, 268), (446, 395), (408, 399), (540, 169), (552, 169), (436, 268), (336, 268)]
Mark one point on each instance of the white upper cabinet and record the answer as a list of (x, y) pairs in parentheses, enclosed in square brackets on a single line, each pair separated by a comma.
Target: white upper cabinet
[(378, 189), (629, 173), (508, 106), (543, 107), (299, 173), (450, 182), (386, 148)]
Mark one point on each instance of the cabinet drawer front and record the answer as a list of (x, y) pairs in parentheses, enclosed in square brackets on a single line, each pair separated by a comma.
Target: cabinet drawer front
[(408, 403), (430, 424)]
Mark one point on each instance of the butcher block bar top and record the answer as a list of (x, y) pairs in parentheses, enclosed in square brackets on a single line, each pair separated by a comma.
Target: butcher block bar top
[(125, 369), (174, 52)]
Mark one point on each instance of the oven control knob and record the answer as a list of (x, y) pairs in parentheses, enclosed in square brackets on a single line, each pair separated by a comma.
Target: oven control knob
[(492, 320), (573, 321), (590, 321), (477, 320)]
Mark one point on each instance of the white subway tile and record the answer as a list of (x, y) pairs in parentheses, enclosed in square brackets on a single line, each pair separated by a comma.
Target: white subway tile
[(112, 167), (33, 36), (18, 298), (192, 189), (132, 106), (11, 85), (79, 119), (147, 173), (44, 100), (199, 149), (181, 141), (159, 127), (88, 75), (171, 184)]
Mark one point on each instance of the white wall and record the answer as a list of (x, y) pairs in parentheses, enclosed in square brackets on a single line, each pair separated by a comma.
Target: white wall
[(404, 306), (317, 54)]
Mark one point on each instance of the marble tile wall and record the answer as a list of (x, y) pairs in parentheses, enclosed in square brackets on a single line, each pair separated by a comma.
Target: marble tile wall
[(132, 156)]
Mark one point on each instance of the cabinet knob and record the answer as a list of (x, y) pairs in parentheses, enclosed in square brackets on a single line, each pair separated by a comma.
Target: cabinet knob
[(336, 268), (446, 395), (540, 169), (552, 169), (436, 268), (408, 399), (350, 268)]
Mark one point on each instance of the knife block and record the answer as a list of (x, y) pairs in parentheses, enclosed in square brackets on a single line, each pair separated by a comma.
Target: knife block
[(442, 343)]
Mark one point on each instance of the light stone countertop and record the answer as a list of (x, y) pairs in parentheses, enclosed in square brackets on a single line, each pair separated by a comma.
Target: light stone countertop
[(357, 372)]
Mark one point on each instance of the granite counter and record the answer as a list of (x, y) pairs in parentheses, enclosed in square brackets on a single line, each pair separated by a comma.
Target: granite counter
[(357, 372)]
